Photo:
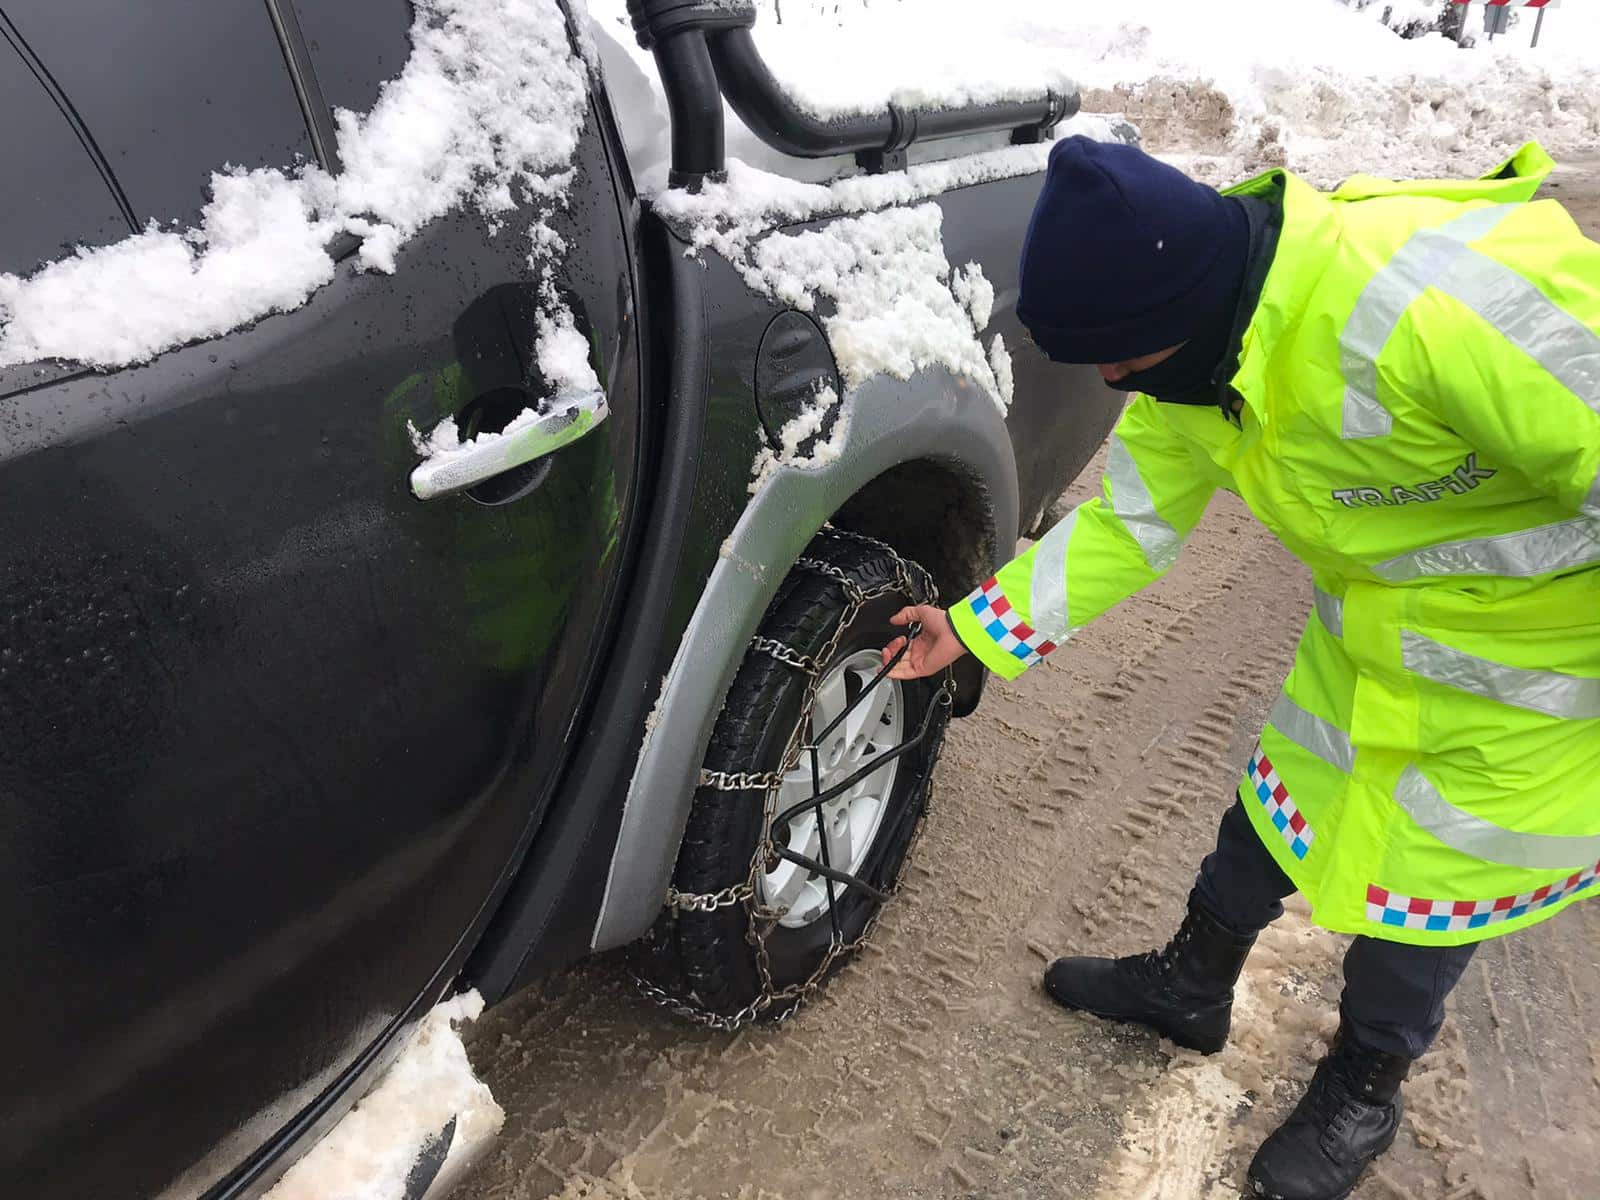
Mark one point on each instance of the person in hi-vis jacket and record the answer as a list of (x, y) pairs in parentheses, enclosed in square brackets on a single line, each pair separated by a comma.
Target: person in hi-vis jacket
[(1402, 382)]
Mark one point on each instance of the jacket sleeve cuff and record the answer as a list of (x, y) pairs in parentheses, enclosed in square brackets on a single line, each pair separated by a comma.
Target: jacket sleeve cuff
[(978, 642)]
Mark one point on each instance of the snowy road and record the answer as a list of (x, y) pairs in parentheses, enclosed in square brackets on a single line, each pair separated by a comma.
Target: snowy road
[(1069, 814)]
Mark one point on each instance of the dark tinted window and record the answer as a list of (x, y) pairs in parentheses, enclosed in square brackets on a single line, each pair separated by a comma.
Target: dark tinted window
[(356, 45), (52, 196), (171, 90)]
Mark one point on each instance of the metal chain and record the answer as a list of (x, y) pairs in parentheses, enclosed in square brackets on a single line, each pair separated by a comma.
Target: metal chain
[(850, 535), (690, 1011), (741, 781), (709, 901), (786, 654), (903, 567), (852, 589), (779, 1004)]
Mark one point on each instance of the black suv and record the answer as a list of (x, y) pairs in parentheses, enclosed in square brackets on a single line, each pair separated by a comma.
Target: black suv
[(288, 753)]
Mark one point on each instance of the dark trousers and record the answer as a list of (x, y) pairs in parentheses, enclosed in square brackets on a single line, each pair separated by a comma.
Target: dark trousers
[(1394, 993)]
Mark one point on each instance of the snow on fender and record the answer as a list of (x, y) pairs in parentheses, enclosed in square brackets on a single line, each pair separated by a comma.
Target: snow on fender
[(898, 309), (417, 1133)]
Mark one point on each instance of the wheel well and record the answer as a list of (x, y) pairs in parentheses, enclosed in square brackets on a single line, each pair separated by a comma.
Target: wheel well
[(942, 516), (933, 512)]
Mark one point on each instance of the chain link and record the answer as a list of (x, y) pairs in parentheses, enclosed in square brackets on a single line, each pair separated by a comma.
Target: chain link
[(786, 654), (709, 901), (690, 1011), (741, 781), (778, 1004), (904, 568), (852, 590)]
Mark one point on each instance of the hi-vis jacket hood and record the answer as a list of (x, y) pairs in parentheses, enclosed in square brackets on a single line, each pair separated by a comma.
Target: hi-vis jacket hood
[(1421, 426)]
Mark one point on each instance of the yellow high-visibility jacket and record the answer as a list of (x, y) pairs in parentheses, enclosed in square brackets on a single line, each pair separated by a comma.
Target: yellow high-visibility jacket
[(1421, 427)]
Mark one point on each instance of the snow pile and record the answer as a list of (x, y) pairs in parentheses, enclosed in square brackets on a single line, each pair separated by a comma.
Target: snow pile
[(371, 1152), (963, 53), (488, 108), (1227, 89), (1398, 14), (894, 310)]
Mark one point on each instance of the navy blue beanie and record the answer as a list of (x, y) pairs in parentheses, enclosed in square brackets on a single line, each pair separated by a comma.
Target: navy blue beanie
[(1125, 255)]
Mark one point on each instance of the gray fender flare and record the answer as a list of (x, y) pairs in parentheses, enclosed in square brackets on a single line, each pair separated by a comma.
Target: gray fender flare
[(934, 415)]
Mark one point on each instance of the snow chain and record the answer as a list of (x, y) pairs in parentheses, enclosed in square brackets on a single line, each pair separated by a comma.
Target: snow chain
[(912, 581)]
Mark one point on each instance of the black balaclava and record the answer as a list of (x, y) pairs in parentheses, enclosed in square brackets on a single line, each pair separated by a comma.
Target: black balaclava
[(1195, 364), (1196, 373)]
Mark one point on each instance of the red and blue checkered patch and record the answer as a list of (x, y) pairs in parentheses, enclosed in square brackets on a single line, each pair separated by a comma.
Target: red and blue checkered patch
[(1437, 916), (1281, 809), (1000, 621)]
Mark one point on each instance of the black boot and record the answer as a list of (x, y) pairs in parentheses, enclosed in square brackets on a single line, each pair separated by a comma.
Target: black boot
[(1184, 991), (1348, 1116)]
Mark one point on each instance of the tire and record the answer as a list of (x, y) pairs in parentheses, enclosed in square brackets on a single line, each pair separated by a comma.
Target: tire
[(714, 958)]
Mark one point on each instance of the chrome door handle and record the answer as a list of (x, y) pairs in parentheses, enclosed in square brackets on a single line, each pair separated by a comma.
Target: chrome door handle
[(490, 454)]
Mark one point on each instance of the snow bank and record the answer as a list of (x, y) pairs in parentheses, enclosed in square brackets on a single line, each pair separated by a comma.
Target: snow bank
[(371, 1152), (488, 108), (1225, 89), (1573, 29)]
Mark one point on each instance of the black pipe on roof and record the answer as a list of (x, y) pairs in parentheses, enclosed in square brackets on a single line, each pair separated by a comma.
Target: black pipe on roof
[(704, 51)]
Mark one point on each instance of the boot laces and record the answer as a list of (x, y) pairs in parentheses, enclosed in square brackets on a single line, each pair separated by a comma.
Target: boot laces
[(1157, 964), (1338, 1090)]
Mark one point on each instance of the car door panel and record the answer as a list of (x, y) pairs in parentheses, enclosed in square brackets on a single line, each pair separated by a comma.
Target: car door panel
[(277, 732)]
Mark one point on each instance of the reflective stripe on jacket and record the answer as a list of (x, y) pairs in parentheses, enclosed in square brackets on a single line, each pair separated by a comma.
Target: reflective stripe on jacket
[(1421, 426)]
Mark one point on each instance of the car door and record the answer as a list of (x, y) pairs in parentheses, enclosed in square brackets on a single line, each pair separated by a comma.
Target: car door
[(275, 731)]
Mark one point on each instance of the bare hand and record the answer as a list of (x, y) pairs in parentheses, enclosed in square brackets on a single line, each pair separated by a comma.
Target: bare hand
[(932, 650)]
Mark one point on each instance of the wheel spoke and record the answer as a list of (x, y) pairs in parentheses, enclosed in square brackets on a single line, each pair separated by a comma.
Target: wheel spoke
[(796, 785), (874, 788), (785, 882), (862, 726), (812, 901), (841, 837), (831, 699)]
